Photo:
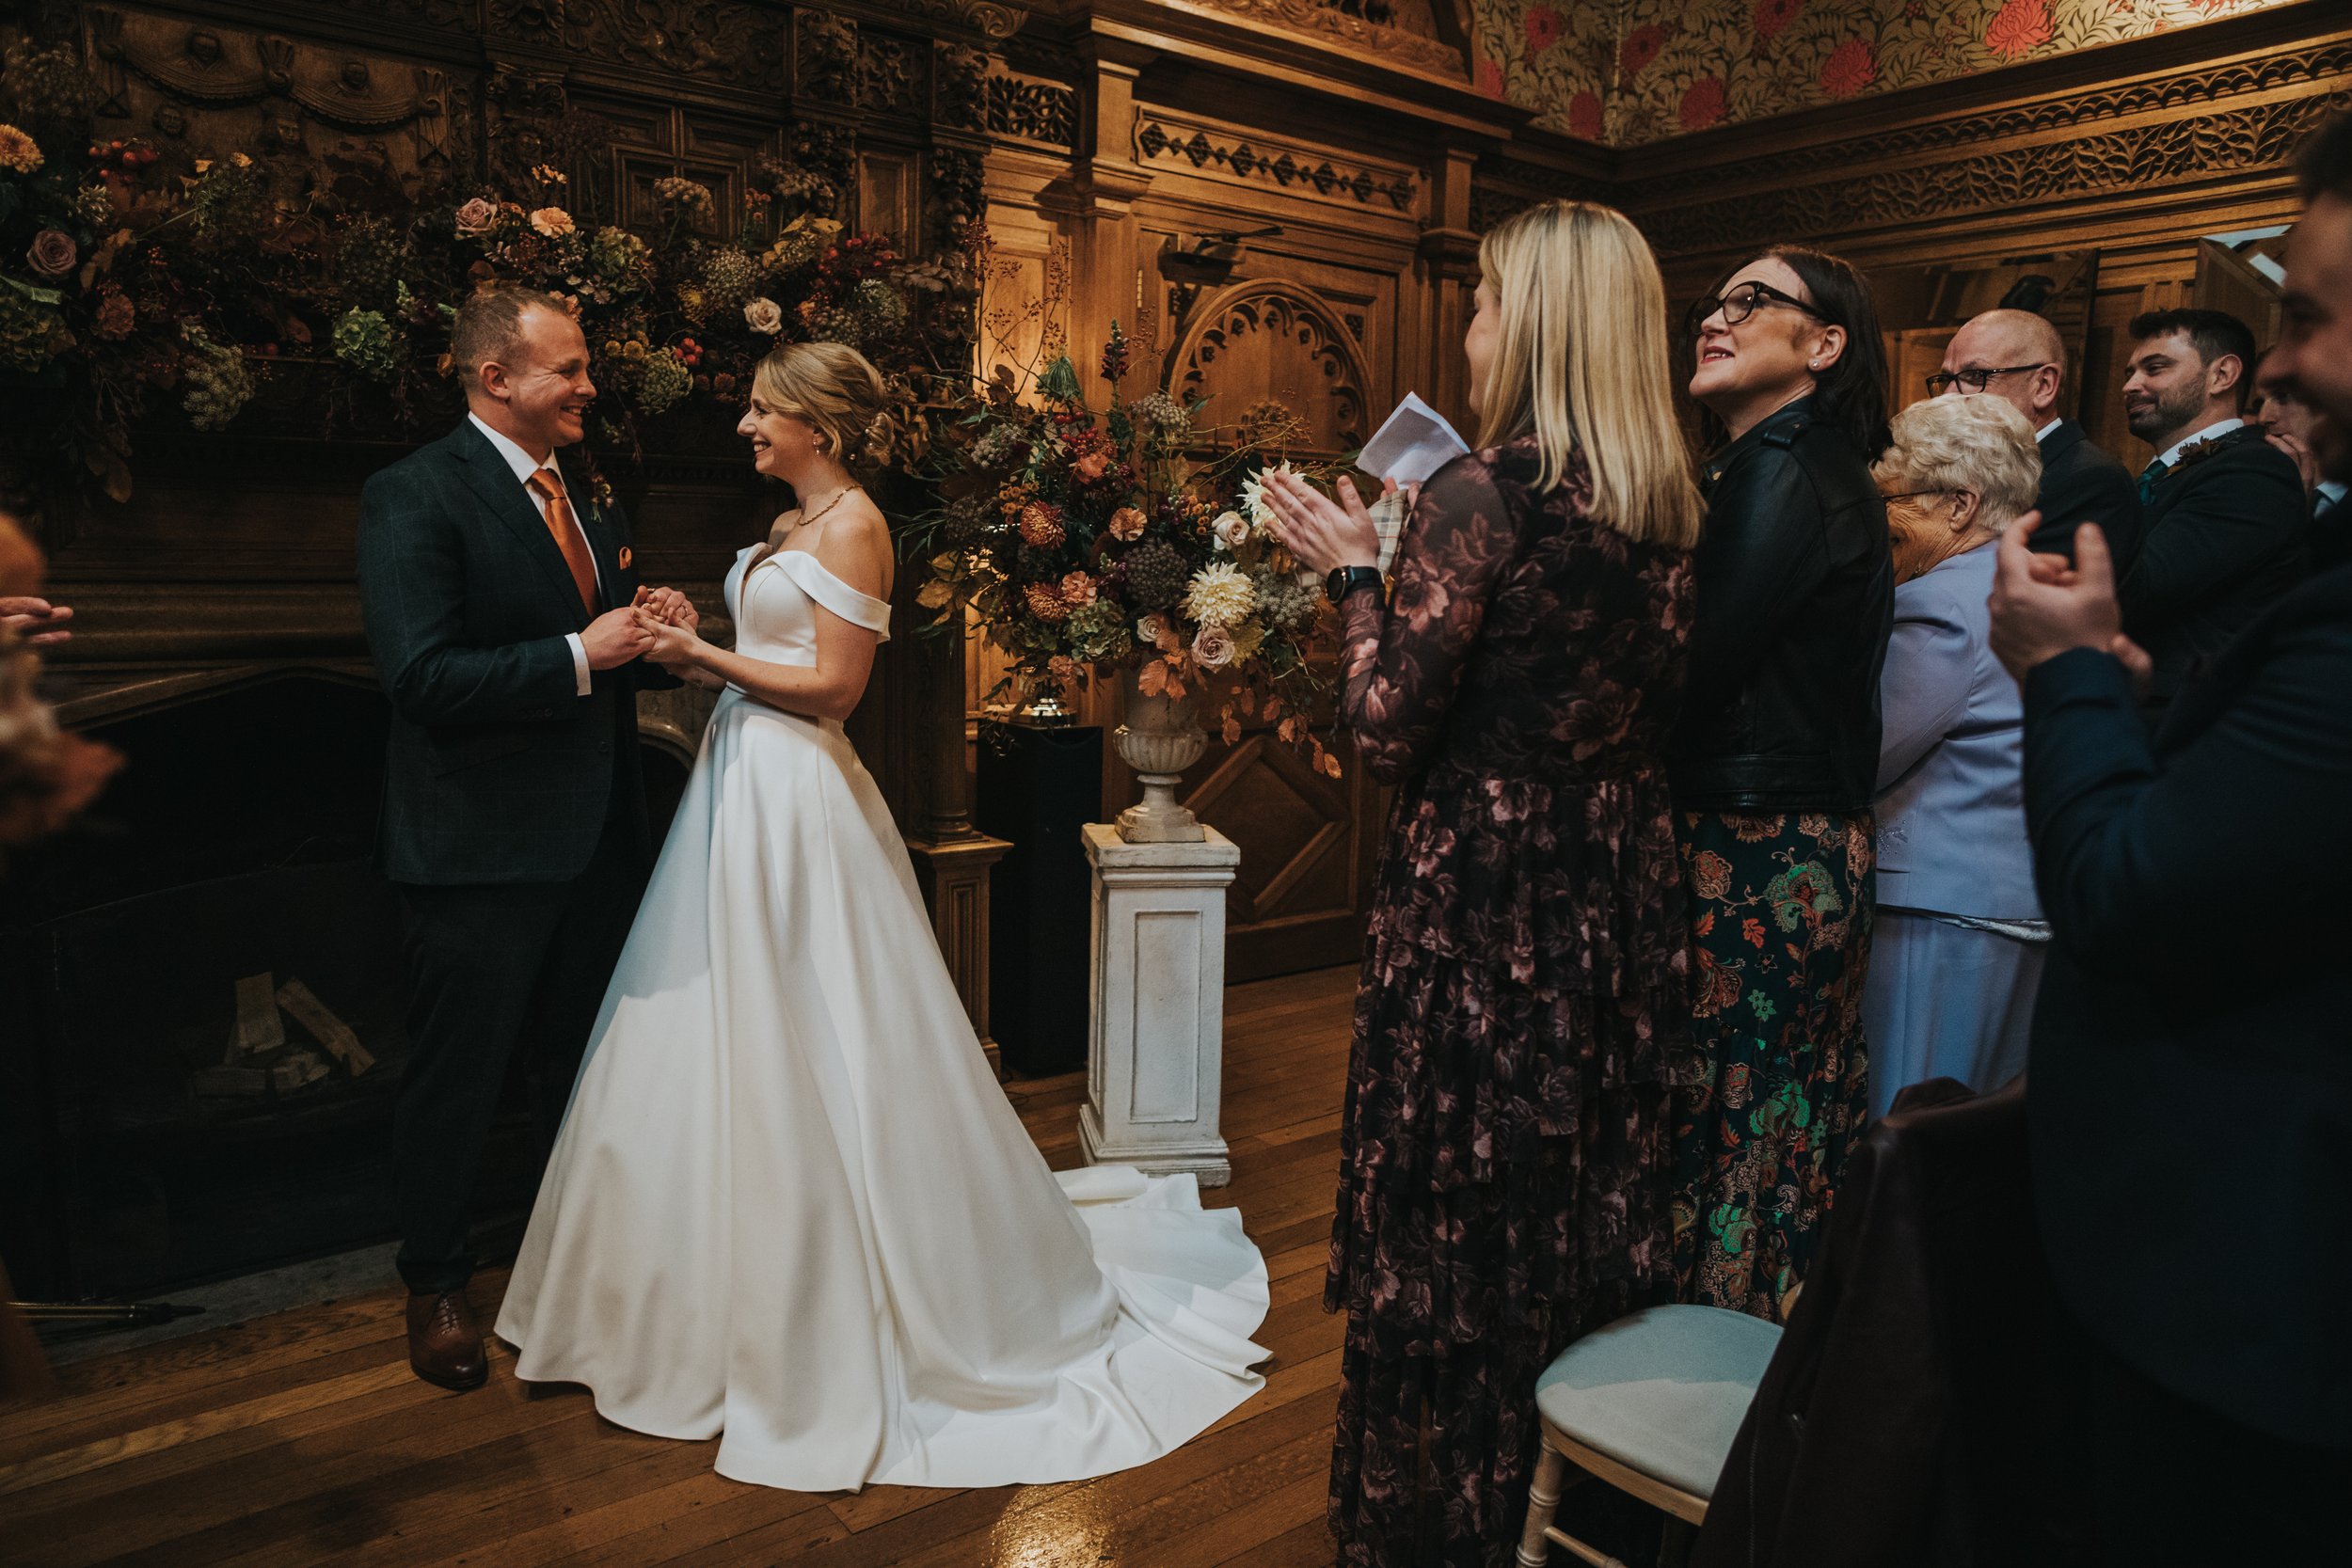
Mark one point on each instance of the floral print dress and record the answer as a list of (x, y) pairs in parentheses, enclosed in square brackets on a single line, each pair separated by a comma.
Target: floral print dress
[(1506, 1180)]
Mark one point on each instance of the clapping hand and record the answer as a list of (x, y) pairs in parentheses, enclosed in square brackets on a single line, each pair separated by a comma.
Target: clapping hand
[(39, 622), (2041, 607), (1321, 532)]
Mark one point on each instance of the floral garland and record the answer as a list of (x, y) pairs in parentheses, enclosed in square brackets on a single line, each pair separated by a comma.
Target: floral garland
[(141, 286), (1086, 542)]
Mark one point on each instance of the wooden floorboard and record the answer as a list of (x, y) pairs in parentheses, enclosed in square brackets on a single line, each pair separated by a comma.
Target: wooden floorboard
[(302, 1439)]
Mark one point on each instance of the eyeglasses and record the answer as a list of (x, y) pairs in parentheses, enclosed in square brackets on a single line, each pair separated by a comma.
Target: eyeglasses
[(1973, 378), (1913, 495), (1739, 302)]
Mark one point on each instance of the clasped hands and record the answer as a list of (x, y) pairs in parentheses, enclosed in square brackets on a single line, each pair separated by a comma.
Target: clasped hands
[(659, 625), (2041, 607)]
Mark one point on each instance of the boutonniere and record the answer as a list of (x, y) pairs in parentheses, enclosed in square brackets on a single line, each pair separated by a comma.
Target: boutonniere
[(2212, 446)]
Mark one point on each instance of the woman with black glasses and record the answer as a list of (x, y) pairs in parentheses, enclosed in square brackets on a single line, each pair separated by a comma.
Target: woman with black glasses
[(1773, 766)]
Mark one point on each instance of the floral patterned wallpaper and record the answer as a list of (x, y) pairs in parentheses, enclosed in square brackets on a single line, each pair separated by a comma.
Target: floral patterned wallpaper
[(1624, 72)]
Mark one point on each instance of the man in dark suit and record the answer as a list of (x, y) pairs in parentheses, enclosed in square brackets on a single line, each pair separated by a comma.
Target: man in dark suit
[(2221, 528), (2287, 423), (2019, 357), (499, 599), (2190, 1086)]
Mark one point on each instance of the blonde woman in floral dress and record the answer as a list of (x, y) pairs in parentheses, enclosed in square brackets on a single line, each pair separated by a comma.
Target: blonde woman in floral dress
[(1505, 1177)]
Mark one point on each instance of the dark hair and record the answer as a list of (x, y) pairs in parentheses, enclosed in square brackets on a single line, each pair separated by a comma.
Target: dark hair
[(2324, 166), (490, 322), (1850, 396), (2213, 334)]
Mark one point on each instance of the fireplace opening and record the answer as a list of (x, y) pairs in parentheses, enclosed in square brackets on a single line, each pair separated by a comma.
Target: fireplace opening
[(162, 1124)]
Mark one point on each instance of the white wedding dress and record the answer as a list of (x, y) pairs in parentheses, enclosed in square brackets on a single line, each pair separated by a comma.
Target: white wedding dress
[(790, 1204)]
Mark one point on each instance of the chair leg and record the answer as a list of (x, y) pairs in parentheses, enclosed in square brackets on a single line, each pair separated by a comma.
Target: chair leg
[(1543, 1502)]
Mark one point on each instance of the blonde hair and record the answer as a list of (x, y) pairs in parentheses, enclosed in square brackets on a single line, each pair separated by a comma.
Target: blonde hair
[(1979, 443), (1581, 363), (831, 386)]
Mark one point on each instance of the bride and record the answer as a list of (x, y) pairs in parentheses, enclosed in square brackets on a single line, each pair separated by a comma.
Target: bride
[(790, 1204)]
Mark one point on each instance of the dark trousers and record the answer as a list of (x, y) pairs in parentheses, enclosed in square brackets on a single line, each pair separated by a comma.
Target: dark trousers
[(493, 968), (2169, 1481)]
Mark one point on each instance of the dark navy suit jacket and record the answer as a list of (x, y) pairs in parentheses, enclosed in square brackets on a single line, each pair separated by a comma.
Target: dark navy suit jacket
[(2191, 1074), (498, 770)]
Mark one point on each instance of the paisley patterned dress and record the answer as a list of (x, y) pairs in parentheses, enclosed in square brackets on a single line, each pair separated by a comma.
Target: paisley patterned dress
[(1506, 1140)]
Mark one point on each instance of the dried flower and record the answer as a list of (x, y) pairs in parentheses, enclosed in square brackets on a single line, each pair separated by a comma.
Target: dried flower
[(476, 218), (1114, 366), (691, 196), (1091, 465), (1098, 631), (18, 150), (366, 342), (31, 334), (1161, 418), (1213, 647), (1231, 529), (116, 314), (664, 383), (216, 378), (1219, 596), (553, 222), (1077, 589), (729, 278), (764, 315), (1061, 668), (1150, 628), (1041, 525), (1157, 573), (1045, 602), (1126, 525), (1253, 495), (53, 253)]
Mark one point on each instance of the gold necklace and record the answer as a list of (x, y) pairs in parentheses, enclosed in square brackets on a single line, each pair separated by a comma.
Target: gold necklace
[(807, 517)]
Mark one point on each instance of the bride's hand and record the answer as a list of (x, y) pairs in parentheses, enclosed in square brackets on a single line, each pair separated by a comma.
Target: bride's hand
[(676, 645), (670, 605)]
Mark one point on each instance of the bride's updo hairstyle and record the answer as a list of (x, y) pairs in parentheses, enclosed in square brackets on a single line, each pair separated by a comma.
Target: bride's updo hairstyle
[(1580, 361), (833, 386)]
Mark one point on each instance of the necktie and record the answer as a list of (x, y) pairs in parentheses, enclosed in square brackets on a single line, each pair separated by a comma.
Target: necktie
[(568, 537), (2150, 476)]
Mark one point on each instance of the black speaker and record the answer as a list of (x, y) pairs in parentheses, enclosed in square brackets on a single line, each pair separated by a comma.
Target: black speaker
[(1035, 788)]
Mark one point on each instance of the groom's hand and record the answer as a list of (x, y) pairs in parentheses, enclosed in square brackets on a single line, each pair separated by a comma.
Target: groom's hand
[(614, 638), (669, 605)]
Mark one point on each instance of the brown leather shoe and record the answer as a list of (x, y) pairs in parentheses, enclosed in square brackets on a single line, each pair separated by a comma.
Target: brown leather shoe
[(444, 1342)]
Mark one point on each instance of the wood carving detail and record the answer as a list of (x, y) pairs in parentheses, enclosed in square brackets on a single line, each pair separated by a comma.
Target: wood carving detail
[(734, 42), (1268, 338), (1162, 139), (2261, 136), (1032, 109), (1393, 43)]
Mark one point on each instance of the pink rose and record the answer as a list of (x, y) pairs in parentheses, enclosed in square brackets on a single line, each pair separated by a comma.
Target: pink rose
[(1151, 629), (1231, 529), (477, 217), (53, 253), (553, 222), (1212, 648), (764, 315)]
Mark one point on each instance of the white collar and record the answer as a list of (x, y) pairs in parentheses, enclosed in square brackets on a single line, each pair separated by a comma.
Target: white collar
[(2333, 489), (520, 461), (2044, 433), (2171, 454)]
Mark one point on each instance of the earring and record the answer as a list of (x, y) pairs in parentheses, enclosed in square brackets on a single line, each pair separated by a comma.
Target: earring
[(1813, 364)]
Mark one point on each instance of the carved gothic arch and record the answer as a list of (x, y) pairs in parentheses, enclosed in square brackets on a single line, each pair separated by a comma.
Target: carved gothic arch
[(1337, 385)]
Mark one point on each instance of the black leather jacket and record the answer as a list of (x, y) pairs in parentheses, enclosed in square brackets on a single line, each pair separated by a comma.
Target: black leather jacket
[(1796, 600)]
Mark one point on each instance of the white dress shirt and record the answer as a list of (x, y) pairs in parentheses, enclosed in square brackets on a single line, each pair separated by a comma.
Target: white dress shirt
[(2332, 492), (2171, 454), (525, 466), (2044, 433)]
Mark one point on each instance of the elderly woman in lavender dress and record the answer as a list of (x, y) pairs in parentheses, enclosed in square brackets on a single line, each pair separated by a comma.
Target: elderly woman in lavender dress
[(1960, 939)]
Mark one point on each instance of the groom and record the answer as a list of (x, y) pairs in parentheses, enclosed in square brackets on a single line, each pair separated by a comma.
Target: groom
[(499, 601)]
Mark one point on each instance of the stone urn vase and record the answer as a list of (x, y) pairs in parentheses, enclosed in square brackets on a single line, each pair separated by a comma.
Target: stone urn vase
[(1159, 741)]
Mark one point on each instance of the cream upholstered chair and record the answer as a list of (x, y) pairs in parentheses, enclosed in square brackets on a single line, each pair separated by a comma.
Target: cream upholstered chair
[(1649, 1404)]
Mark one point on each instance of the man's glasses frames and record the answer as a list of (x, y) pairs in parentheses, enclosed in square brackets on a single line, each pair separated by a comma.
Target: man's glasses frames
[(1973, 378)]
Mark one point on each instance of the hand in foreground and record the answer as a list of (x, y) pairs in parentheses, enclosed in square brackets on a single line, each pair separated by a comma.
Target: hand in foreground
[(2305, 461), (615, 637), (39, 622), (1322, 533), (2042, 608)]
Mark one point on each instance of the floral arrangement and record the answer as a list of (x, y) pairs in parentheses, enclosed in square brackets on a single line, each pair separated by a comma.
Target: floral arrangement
[(141, 285), (1088, 541)]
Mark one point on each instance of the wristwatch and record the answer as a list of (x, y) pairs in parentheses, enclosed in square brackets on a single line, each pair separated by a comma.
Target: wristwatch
[(1344, 580)]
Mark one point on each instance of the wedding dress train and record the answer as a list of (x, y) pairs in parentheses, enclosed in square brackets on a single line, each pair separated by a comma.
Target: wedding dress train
[(790, 1205)]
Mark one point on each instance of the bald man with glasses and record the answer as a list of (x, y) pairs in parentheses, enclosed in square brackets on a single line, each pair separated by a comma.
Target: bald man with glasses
[(2018, 357)]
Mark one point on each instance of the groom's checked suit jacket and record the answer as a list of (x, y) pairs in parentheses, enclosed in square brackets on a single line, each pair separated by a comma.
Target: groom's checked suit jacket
[(499, 770)]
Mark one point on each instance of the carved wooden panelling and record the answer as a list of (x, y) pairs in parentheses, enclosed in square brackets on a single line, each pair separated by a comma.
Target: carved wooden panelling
[(1269, 339), (721, 40), (1408, 36), (1167, 138)]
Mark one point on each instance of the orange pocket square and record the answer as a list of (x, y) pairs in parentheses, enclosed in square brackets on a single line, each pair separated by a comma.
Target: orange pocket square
[(626, 557)]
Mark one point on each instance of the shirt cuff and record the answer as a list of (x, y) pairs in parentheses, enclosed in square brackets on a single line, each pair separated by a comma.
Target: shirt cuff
[(583, 681)]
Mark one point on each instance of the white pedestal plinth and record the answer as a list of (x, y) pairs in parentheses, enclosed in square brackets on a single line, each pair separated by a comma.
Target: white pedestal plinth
[(1155, 1050)]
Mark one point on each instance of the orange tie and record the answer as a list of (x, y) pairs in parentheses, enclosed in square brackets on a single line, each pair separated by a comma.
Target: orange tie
[(568, 537)]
